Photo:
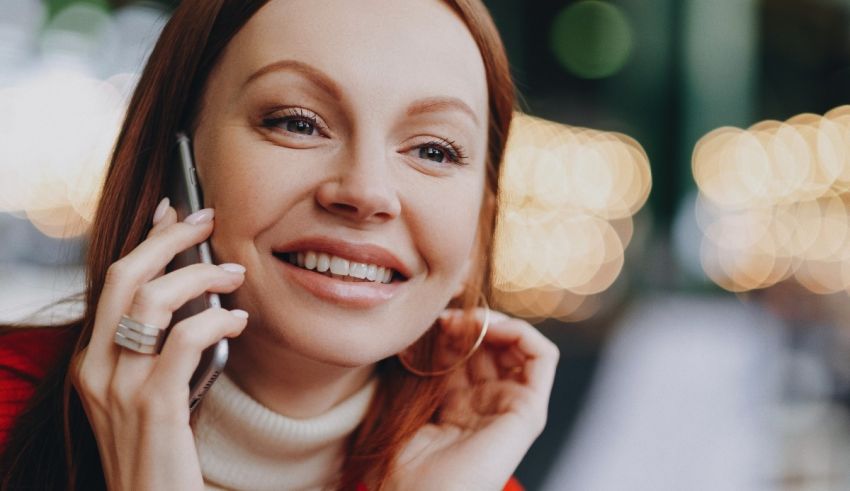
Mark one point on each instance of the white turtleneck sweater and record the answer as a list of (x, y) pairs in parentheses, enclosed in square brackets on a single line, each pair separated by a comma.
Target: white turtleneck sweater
[(244, 445)]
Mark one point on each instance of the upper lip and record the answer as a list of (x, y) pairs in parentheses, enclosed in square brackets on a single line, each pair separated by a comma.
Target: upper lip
[(353, 251)]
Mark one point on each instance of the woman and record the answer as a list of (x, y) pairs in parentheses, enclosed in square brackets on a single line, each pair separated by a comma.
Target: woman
[(358, 134)]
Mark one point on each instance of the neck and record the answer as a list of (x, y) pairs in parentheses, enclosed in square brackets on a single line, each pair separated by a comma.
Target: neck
[(261, 366)]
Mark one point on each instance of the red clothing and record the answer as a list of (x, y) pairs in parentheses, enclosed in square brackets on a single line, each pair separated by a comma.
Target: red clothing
[(24, 359)]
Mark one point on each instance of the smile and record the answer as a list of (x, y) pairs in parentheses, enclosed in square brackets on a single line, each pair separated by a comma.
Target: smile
[(345, 273), (340, 268)]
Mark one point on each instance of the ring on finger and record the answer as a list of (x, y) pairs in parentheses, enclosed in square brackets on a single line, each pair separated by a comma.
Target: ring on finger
[(138, 336)]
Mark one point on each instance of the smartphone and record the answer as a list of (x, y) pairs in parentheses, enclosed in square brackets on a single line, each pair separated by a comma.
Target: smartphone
[(186, 197)]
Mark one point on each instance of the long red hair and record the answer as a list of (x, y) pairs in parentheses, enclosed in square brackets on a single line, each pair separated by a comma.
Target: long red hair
[(166, 100)]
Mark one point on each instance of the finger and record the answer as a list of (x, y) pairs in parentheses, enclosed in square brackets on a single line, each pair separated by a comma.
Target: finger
[(156, 301), (125, 275), (164, 217), (456, 409), (540, 353), (169, 218), (482, 366), (159, 213), (511, 363), (461, 329), (187, 341)]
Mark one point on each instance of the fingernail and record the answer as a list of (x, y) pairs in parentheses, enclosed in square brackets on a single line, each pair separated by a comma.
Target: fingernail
[(232, 267), (199, 217), (161, 208), (239, 313)]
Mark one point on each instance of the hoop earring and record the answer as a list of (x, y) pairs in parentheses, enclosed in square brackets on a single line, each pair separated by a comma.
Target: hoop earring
[(484, 325)]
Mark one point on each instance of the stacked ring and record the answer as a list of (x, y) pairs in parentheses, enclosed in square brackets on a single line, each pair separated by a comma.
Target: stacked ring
[(139, 337)]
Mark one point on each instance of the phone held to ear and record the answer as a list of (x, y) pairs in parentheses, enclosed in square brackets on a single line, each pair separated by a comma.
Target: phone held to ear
[(186, 197)]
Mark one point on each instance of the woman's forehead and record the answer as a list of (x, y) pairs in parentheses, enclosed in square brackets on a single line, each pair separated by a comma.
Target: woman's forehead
[(372, 49)]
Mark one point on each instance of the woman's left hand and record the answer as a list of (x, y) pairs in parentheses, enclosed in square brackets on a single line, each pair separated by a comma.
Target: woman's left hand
[(496, 407)]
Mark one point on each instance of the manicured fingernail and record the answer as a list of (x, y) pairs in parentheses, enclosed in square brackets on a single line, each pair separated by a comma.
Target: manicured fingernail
[(161, 208), (199, 217), (232, 267), (239, 313)]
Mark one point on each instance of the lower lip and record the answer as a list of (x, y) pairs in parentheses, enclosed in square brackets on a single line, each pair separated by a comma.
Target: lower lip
[(360, 294)]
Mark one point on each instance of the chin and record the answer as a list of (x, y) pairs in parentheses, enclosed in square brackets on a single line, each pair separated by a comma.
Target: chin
[(347, 344)]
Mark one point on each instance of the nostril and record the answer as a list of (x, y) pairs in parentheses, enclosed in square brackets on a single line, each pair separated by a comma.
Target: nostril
[(344, 208)]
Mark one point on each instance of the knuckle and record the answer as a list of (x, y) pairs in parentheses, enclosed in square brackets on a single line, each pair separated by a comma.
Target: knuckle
[(85, 385), (85, 382), (183, 338), (147, 297), (117, 273)]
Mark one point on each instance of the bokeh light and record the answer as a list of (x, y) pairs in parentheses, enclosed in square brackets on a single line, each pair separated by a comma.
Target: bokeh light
[(774, 205), (567, 199), (63, 109), (592, 39)]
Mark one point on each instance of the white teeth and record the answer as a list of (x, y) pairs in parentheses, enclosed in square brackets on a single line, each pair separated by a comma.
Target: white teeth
[(310, 260), (358, 270), (323, 262), (340, 268)]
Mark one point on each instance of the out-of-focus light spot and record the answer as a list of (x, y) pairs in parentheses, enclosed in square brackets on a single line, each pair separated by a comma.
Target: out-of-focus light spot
[(78, 34), (62, 108), (567, 199), (54, 146), (591, 38), (774, 203)]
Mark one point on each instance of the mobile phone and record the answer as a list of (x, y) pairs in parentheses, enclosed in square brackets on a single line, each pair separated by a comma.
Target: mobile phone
[(186, 197)]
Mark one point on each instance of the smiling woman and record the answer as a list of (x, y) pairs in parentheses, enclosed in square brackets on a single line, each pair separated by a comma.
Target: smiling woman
[(349, 155)]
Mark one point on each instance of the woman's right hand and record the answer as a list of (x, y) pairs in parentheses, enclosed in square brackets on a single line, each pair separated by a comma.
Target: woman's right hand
[(138, 404)]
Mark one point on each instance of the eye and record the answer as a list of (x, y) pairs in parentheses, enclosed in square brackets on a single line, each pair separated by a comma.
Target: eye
[(441, 151), (296, 121), (300, 126)]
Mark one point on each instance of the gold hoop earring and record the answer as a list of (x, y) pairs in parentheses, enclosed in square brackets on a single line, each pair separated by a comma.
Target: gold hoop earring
[(484, 325)]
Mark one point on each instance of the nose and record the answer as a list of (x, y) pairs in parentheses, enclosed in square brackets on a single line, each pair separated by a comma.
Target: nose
[(361, 189)]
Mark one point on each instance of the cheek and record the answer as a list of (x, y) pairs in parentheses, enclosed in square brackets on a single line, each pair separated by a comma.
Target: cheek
[(249, 186), (447, 222)]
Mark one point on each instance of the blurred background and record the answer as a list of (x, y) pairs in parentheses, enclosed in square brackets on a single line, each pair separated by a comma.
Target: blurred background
[(675, 216)]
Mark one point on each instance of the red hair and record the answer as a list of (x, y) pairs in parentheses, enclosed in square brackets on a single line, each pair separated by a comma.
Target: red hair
[(167, 99)]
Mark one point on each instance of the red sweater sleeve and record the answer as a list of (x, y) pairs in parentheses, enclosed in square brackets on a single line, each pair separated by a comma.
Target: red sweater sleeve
[(25, 357)]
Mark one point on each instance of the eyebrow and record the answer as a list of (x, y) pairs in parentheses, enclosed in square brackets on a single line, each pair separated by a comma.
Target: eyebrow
[(326, 83), (315, 75), (437, 104)]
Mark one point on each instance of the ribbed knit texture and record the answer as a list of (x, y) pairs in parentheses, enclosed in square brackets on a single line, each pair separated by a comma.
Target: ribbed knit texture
[(245, 446)]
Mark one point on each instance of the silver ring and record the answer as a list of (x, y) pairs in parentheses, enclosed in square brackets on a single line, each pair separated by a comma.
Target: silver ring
[(139, 337)]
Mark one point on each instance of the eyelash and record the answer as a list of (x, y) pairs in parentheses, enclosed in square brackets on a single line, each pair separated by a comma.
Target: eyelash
[(453, 151), (293, 114)]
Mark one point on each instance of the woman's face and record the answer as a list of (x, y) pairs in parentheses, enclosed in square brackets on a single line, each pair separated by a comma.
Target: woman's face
[(352, 134)]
